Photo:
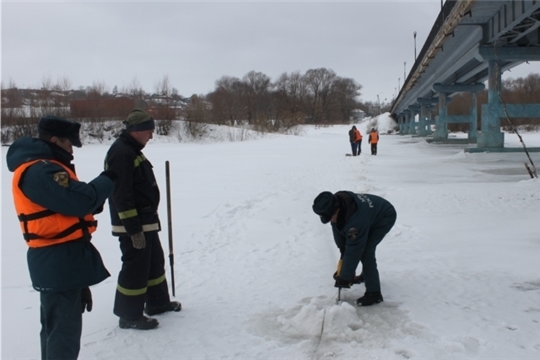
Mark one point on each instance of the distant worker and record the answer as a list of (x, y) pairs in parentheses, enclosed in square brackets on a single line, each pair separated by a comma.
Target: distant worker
[(352, 140), (373, 140), (359, 141)]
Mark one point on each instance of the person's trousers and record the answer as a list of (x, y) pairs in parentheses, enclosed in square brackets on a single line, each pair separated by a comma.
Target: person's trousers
[(61, 324), (141, 279), (354, 147), (373, 149), (359, 144), (369, 262)]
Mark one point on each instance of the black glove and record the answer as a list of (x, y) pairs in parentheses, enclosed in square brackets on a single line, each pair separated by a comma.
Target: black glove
[(110, 174), (98, 210), (358, 279), (341, 283), (86, 299)]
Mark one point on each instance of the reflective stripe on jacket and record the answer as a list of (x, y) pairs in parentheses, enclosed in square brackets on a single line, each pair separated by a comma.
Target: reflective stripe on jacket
[(43, 227)]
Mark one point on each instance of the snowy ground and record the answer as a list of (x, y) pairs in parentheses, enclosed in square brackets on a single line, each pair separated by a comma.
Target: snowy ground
[(253, 264)]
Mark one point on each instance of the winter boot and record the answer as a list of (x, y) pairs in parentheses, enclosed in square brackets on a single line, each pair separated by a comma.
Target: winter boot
[(143, 323), (155, 310), (370, 299)]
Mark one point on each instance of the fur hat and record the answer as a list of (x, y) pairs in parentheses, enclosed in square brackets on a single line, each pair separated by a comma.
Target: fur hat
[(139, 120), (325, 205), (61, 128)]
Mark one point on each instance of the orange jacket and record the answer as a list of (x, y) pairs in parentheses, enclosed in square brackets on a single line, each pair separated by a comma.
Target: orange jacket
[(44, 227), (358, 135), (373, 137)]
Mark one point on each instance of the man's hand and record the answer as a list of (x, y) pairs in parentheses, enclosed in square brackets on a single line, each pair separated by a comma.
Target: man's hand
[(86, 299), (139, 241), (341, 283)]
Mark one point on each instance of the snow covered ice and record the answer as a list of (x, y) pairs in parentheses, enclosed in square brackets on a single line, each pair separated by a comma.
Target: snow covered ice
[(253, 264)]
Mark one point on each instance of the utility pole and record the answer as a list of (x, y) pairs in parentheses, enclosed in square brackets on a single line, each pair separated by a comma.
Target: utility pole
[(414, 34), (398, 83), (404, 72)]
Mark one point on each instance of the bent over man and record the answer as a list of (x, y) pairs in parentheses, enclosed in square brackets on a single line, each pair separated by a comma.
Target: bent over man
[(359, 223), (55, 211), (135, 220)]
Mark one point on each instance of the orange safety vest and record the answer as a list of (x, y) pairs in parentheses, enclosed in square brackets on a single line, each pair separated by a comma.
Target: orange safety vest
[(374, 137), (43, 227), (358, 135)]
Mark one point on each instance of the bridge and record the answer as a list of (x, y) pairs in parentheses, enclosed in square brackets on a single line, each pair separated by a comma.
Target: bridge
[(471, 41)]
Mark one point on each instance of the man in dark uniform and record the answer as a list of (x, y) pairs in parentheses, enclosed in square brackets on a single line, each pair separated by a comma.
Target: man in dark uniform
[(135, 220), (55, 211), (359, 223)]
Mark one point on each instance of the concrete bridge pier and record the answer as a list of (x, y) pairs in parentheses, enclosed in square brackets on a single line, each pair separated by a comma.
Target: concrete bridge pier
[(441, 131), (490, 135), (414, 109), (424, 125)]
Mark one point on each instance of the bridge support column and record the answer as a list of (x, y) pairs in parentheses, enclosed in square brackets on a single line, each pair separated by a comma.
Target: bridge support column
[(490, 135), (422, 121), (441, 131), (473, 132), (406, 119)]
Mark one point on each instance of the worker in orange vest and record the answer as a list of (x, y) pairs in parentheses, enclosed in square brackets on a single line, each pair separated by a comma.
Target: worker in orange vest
[(358, 141), (56, 214), (373, 140)]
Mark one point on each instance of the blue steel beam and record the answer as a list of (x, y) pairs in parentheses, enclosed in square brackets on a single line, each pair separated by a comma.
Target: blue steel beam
[(451, 55)]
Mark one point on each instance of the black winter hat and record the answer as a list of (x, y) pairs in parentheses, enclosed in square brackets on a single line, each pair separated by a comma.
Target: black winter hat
[(60, 127), (325, 205), (139, 120)]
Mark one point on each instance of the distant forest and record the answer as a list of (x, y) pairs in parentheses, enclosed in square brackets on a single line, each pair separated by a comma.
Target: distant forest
[(318, 96)]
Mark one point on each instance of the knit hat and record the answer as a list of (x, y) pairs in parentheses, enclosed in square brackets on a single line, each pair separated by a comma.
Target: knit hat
[(325, 205), (61, 128), (139, 120)]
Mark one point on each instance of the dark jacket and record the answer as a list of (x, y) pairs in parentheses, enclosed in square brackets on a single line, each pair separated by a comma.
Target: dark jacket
[(134, 204), (359, 213), (73, 264)]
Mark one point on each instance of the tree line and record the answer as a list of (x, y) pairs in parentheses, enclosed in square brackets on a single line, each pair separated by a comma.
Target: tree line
[(317, 96)]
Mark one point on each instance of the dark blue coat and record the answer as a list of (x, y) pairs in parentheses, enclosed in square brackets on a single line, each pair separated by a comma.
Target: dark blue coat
[(352, 233), (70, 265)]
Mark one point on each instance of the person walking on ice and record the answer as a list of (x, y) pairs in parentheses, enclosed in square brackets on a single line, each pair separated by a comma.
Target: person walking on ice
[(373, 140), (359, 223)]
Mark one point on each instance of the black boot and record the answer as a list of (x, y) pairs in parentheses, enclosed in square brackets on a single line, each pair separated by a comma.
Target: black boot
[(370, 298), (155, 310), (143, 323)]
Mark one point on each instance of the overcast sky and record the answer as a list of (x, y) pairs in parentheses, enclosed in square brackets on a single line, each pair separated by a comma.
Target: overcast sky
[(195, 44)]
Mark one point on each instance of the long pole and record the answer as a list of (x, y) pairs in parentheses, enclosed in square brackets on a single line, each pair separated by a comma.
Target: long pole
[(414, 46), (169, 223)]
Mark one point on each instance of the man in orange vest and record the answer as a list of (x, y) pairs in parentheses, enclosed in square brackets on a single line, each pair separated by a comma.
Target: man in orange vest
[(56, 211), (358, 141), (353, 139), (373, 140)]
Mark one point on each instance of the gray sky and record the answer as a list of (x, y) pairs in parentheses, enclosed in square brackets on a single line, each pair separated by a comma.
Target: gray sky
[(196, 43)]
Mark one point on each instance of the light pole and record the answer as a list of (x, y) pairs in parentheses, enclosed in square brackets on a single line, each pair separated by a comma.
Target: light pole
[(404, 71), (398, 83), (414, 34)]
